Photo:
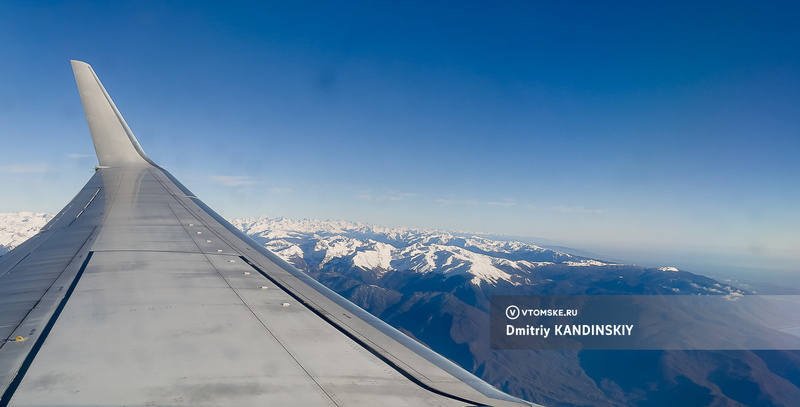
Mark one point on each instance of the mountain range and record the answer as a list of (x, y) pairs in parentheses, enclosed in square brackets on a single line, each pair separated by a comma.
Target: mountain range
[(435, 286)]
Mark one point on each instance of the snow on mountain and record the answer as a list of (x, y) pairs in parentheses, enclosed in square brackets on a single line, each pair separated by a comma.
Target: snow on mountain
[(450, 260), (376, 256), (587, 262), (314, 244), (17, 227)]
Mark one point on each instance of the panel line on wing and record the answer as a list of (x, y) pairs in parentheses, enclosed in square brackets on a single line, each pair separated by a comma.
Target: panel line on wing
[(371, 349), (235, 291), (277, 340), (16, 264), (348, 334), (12, 387)]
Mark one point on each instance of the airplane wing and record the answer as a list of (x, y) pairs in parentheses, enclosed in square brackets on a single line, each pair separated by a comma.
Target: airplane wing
[(138, 294)]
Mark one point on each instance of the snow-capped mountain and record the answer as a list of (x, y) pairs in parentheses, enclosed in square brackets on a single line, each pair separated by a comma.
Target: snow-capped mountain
[(311, 245), (17, 227), (376, 253), (390, 256)]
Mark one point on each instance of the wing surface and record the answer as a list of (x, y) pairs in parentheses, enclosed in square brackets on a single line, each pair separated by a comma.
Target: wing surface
[(137, 293)]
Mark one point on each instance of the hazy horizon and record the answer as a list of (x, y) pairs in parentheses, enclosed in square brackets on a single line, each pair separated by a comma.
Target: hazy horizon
[(751, 269)]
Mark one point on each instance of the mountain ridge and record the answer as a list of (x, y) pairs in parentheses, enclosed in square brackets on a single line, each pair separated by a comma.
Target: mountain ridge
[(436, 285)]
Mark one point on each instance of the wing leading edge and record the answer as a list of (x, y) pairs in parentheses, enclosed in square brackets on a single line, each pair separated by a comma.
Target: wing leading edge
[(137, 293)]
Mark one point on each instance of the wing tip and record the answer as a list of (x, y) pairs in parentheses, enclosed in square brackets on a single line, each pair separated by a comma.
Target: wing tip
[(76, 64), (113, 140)]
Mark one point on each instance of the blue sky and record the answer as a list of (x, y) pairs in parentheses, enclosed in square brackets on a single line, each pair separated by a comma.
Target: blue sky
[(632, 127)]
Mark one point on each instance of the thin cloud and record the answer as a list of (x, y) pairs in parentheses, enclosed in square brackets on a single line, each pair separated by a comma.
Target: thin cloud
[(73, 155), (25, 169), (513, 203), (505, 203), (577, 209), (387, 197), (280, 191), (232, 181), (457, 201)]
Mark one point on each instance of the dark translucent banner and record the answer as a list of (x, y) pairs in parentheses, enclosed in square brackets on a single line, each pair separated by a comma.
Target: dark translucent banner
[(629, 322)]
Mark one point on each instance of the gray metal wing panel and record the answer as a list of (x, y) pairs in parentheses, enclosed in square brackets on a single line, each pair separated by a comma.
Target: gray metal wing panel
[(138, 294)]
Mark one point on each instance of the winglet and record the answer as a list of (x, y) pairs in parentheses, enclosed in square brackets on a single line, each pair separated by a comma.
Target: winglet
[(114, 142)]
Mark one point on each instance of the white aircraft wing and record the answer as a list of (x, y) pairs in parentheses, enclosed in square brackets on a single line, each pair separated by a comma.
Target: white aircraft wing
[(138, 294)]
